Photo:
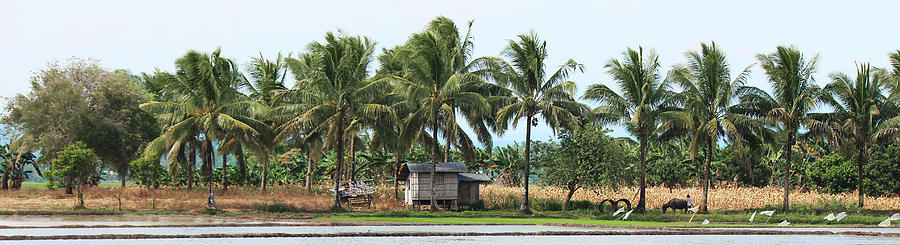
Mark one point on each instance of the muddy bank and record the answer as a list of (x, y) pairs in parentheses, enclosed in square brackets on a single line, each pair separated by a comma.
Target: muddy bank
[(448, 234)]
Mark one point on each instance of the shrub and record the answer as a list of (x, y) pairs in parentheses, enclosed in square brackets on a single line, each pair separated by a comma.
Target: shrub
[(832, 173)]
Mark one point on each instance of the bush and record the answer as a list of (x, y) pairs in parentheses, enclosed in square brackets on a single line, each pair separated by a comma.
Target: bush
[(547, 205), (832, 173), (581, 205)]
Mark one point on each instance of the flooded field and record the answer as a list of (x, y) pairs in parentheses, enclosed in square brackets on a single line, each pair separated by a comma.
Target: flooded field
[(298, 230), (543, 240), (174, 229)]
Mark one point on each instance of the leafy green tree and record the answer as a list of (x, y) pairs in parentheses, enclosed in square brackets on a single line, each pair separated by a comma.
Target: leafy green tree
[(883, 171), (209, 108), (586, 157), (148, 172), (709, 94), (862, 114), (644, 97), (833, 172), (536, 93), (331, 93), (794, 96), (78, 163), (81, 101)]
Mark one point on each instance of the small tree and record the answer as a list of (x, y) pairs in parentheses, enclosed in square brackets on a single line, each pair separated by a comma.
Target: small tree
[(584, 158), (147, 171), (76, 162)]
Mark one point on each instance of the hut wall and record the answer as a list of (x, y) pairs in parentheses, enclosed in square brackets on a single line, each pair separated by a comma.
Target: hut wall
[(468, 193), (419, 186)]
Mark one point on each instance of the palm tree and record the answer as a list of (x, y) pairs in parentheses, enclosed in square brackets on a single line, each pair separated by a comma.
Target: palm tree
[(535, 93), (266, 84), (862, 114), (207, 108), (709, 92), (644, 97), (332, 92), (795, 93), (438, 82)]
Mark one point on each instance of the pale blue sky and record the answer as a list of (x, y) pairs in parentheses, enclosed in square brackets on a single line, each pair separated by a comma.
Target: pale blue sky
[(143, 35)]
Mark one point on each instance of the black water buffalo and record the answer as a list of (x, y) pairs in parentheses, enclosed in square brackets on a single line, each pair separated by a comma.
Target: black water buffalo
[(676, 204)]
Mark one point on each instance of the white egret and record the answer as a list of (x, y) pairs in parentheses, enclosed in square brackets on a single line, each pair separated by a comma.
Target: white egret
[(784, 223), (840, 216), (627, 214), (896, 216), (830, 217), (768, 213), (884, 223), (705, 221), (617, 212), (694, 209)]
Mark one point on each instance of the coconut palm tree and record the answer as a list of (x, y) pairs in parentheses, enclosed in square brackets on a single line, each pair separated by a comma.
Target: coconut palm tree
[(709, 93), (794, 96), (644, 97), (439, 82), (862, 114), (535, 93), (208, 107), (332, 92), (266, 84)]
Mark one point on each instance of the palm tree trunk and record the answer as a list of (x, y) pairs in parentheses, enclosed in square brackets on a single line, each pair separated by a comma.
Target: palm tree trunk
[(208, 162), (434, 158), (787, 170), (642, 201), (309, 163), (703, 202), (242, 165), (396, 175), (447, 151), (351, 170), (860, 162), (192, 164), (526, 205), (224, 172), (265, 171), (340, 160)]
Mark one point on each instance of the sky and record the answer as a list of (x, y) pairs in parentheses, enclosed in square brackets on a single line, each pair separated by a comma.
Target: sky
[(142, 36)]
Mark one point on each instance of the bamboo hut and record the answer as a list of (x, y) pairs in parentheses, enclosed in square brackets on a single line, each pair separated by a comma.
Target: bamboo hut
[(447, 177)]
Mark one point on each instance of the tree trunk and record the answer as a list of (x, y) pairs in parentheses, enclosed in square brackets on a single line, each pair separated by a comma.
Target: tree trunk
[(208, 162), (787, 170), (572, 188), (642, 201), (860, 163), (351, 167), (526, 205), (80, 195), (5, 184), (265, 170), (396, 175), (309, 164), (242, 164), (447, 150), (703, 202), (224, 172), (192, 165), (122, 176), (434, 157), (340, 160)]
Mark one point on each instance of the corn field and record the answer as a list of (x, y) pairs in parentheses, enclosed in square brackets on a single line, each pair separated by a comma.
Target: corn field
[(727, 198)]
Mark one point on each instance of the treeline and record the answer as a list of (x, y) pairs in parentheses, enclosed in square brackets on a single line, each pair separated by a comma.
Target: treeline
[(338, 121)]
